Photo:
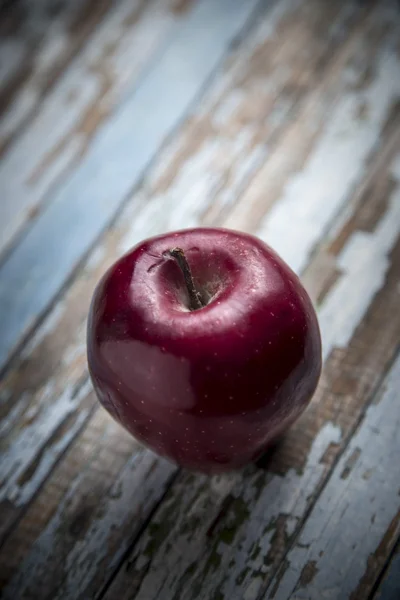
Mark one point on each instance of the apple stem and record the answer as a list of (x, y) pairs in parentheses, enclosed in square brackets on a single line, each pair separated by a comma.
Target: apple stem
[(195, 299)]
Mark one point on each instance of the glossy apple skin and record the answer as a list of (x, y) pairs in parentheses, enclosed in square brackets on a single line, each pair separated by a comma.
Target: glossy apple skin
[(209, 389)]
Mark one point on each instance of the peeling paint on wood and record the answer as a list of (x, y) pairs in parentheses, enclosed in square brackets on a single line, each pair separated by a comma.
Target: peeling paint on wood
[(52, 363), (26, 36), (46, 36), (68, 227), (332, 168), (60, 341), (80, 532), (245, 566), (77, 107), (74, 509), (205, 175), (355, 522)]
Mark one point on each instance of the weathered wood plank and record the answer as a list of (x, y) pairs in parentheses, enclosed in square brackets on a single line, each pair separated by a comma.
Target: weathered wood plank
[(84, 204), (228, 536), (41, 395), (389, 587), (354, 525), (241, 123), (38, 394), (26, 36), (109, 497), (79, 105), (37, 42), (74, 353)]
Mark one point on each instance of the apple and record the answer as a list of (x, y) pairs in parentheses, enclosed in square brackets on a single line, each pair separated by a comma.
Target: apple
[(204, 345)]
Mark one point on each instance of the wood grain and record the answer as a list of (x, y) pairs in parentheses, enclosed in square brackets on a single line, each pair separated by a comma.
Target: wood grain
[(38, 41), (355, 522), (40, 391), (205, 538), (113, 486), (253, 518), (87, 200), (76, 108), (31, 56)]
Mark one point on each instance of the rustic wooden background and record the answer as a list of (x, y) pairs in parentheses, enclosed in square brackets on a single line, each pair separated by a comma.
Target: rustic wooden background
[(125, 118)]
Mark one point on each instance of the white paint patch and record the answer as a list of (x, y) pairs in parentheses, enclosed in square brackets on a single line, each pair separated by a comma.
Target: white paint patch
[(52, 52), (34, 439), (14, 414), (96, 257), (320, 191), (364, 262), (49, 325)]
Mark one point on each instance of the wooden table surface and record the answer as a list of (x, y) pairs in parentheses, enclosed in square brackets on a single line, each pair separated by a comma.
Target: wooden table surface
[(121, 119)]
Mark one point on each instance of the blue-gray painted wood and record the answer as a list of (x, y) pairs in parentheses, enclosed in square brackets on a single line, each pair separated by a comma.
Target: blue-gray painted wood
[(339, 545), (39, 266)]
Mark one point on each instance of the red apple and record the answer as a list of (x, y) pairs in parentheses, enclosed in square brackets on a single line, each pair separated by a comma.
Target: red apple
[(204, 345)]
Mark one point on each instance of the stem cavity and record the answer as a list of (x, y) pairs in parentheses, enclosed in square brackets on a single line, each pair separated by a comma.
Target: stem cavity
[(195, 300)]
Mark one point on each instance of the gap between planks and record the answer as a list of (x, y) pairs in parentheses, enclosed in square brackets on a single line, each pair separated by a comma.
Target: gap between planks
[(72, 359), (280, 504), (353, 525), (68, 228), (95, 84)]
